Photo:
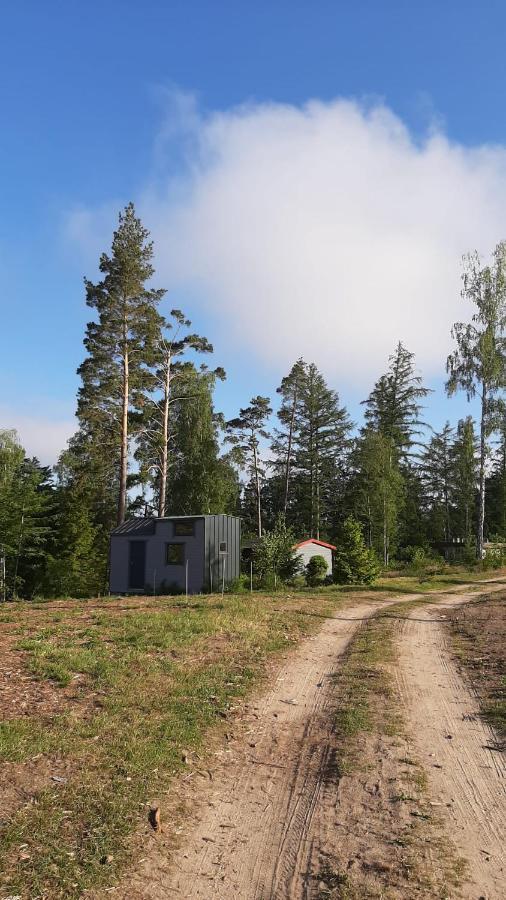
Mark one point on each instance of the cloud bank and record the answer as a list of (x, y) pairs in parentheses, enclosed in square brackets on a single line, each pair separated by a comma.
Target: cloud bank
[(41, 436), (326, 231)]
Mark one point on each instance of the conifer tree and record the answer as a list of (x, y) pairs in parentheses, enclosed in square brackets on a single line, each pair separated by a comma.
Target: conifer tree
[(26, 518), (478, 363), (121, 347), (283, 442), (321, 441), (438, 479), (354, 562), (394, 405)]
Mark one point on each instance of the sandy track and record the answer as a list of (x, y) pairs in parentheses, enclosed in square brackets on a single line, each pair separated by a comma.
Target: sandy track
[(254, 838), (465, 776)]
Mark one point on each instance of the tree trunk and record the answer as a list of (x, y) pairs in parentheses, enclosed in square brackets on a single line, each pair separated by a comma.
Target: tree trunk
[(257, 485), (481, 509), (123, 466), (385, 532), (164, 462), (289, 451)]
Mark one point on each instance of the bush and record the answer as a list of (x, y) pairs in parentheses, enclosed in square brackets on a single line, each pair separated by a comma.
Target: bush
[(274, 557), (316, 570), (354, 562)]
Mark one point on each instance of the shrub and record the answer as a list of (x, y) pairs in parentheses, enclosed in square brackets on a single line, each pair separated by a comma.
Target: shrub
[(316, 570), (274, 558), (354, 562)]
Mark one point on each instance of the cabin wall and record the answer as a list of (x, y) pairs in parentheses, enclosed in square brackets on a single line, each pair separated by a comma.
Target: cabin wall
[(308, 550)]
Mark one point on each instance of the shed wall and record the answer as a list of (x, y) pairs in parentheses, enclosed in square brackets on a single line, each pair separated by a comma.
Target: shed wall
[(308, 550)]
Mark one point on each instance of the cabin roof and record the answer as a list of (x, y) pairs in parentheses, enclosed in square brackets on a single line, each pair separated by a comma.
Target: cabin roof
[(314, 541)]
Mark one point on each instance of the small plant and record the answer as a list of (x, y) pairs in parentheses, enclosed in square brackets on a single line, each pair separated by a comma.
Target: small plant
[(316, 570)]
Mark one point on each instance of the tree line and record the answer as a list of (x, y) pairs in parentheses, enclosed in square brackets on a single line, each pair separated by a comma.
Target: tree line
[(150, 441)]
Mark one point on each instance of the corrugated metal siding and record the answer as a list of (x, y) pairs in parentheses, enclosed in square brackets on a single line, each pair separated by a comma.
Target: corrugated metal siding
[(201, 551), (221, 528)]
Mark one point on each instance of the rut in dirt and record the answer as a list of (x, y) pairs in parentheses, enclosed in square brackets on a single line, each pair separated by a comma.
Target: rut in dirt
[(257, 836), (459, 751)]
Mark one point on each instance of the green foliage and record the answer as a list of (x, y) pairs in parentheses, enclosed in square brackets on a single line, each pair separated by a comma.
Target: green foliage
[(244, 433), (478, 363), (274, 556), (393, 407), (316, 570), (354, 563), (26, 518), (377, 491), (120, 344)]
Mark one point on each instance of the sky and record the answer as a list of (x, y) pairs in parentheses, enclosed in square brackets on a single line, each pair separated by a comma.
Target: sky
[(311, 174)]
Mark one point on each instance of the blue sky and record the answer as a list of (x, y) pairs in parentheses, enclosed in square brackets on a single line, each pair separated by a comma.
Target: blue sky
[(182, 107)]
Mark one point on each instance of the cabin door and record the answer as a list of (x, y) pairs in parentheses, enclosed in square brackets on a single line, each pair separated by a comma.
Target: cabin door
[(137, 565)]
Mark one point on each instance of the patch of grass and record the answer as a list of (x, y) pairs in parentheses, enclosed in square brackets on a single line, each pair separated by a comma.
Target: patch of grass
[(156, 679), (478, 632)]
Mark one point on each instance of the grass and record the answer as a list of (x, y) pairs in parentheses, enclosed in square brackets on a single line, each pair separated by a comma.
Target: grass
[(142, 681), (152, 681), (479, 641)]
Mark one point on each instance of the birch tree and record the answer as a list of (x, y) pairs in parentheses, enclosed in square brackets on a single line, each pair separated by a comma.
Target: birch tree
[(172, 385), (244, 433), (477, 365)]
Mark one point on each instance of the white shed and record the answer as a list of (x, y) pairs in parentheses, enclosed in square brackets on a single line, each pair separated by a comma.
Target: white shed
[(306, 549)]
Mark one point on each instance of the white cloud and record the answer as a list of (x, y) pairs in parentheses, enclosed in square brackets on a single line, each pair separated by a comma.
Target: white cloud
[(325, 231), (41, 436)]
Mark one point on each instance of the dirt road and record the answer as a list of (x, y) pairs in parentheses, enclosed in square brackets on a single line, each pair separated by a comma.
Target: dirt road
[(466, 771), (256, 825)]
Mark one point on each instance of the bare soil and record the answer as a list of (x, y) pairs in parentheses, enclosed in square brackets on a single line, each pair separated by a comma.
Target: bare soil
[(276, 817), (459, 751), (479, 640)]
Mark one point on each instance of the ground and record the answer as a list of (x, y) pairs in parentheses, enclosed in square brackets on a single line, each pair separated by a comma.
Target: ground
[(279, 738)]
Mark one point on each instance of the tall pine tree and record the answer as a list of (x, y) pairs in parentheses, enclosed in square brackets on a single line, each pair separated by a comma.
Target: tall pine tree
[(121, 348)]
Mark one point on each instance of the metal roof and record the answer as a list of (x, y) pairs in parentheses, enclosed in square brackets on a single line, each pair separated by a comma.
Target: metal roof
[(148, 525), (315, 541), (136, 526)]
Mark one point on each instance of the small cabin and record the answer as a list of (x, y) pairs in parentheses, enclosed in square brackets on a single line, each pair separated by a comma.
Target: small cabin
[(174, 554), (312, 547)]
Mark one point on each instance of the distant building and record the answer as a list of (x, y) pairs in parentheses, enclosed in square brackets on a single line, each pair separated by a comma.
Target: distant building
[(312, 547), (174, 554)]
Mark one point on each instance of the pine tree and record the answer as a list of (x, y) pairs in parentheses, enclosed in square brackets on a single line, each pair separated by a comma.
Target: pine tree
[(477, 365), (393, 408), (283, 442), (244, 433), (437, 472), (26, 518), (321, 441), (121, 348)]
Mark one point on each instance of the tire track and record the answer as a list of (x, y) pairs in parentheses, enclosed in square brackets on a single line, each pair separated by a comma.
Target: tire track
[(466, 777), (254, 838)]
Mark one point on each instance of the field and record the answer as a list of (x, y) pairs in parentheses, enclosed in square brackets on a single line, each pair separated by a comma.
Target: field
[(108, 706)]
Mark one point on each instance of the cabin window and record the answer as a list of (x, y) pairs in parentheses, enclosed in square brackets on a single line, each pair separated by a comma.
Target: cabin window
[(184, 529), (174, 554), (223, 546)]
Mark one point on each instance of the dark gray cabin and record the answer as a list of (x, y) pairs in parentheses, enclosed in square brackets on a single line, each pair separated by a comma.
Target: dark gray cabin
[(173, 554)]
